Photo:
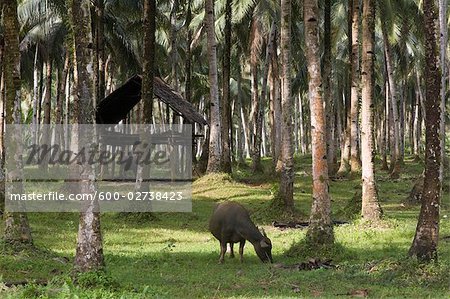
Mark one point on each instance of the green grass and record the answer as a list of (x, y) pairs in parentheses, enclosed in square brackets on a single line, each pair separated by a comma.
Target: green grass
[(175, 256)]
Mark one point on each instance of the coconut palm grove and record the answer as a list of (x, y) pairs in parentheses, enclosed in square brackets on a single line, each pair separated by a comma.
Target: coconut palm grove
[(224, 149)]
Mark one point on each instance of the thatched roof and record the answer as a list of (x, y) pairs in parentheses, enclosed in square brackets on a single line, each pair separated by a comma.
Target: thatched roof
[(115, 107)]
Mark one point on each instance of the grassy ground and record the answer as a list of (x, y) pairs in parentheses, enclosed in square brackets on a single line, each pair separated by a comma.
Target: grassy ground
[(176, 257)]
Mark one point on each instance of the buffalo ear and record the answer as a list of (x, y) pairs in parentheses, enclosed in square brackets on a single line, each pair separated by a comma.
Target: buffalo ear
[(264, 244)]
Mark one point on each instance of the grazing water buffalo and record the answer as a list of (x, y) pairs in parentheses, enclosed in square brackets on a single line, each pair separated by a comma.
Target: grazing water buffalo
[(231, 223)]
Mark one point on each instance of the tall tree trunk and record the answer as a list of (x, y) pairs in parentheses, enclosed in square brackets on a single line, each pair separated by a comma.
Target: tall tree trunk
[(301, 125), (344, 166), (276, 108), (214, 159), (385, 130), (43, 166), (148, 63), (60, 96), (89, 251), (188, 71), (371, 209), (35, 94), (287, 156), (173, 44), (226, 69), (320, 229), (417, 122), (329, 101), (396, 162), (443, 29), (100, 10), (255, 52), (242, 136), (355, 161), (425, 242), (17, 229)]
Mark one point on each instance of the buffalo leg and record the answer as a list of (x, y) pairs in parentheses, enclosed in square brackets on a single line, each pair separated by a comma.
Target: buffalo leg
[(241, 250), (223, 249), (231, 250)]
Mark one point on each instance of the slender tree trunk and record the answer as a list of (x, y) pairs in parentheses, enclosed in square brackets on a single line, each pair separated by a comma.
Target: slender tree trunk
[(344, 166), (35, 94), (188, 71), (89, 251), (371, 209), (287, 156), (100, 10), (214, 159), (329, 101), (47, 111), (242, 136), (443, 29), (226, 69), (301, 125), (17, 229), (60, 96), (256, 41), (385, 130), (425, 242), (395, 162), (276, 109), (320, 229), (173, 44), (355, 162), (148, 62), (417, 123)]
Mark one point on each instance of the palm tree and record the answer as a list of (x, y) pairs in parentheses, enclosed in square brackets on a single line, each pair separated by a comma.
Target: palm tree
[(395, 153), (370, 207), (425, 242), (214, 159), (287, 154), (320, 229), (443, 28), (344, 166), (17, 229), (355, 162), (329, 102), (148, 61), (89, 251), (226, 72)]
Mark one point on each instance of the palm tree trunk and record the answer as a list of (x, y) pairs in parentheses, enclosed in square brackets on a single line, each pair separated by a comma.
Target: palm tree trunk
[(188, 71), (148, 62), (355, 162), (275, 109), (286, 193), (35, 94), (329, 101), (320, 229), (242, 135), (47, 111), (214, 159), (443, 28), (17, 229), (371, 209), (395, 162), (301, 125), (226, 69), (425, 241), (60, 96), (385, 130), (344, 166), (89, 251), (417, 123)]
